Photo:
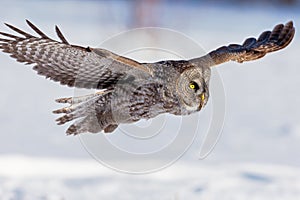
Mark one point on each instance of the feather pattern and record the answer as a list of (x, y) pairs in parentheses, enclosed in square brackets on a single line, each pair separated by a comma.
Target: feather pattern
[(70, 65), (130, 90), (251, 49)]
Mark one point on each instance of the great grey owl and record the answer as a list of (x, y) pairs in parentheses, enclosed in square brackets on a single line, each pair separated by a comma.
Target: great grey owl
[(129, 90)]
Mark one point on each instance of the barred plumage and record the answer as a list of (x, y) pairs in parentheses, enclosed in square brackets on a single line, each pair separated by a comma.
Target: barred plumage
[(130, 90)]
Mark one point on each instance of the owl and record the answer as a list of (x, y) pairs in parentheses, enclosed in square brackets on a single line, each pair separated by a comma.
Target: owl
[(127, 90)]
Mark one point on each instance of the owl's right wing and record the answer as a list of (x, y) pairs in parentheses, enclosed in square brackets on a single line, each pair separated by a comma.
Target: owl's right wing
[(251, 49), (68, 64)]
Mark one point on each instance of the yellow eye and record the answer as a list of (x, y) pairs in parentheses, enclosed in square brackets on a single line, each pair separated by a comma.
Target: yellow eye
[(192, 86)]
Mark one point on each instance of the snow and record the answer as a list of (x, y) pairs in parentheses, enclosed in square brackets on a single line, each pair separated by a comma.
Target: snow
[(257, 156), (39, 178)]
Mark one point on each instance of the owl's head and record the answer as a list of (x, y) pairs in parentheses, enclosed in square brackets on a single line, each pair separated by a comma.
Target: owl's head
[(192, 88)]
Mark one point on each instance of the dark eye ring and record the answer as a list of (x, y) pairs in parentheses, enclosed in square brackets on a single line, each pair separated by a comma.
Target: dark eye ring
[(193, 85)]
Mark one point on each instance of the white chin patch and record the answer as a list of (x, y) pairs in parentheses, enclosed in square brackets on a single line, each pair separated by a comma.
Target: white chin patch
[(192, 108)]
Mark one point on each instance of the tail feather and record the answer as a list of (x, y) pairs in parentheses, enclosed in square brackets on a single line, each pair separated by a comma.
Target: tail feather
[(80, 99), (68, 109), (93, 113), (66, 118), (86, 124)]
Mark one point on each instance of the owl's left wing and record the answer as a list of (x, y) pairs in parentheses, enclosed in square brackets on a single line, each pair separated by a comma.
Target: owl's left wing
[(68, 64), (251, 49)]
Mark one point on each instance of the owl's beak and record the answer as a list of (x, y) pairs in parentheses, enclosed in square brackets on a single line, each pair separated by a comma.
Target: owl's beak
[(203, 96), (202, 100)]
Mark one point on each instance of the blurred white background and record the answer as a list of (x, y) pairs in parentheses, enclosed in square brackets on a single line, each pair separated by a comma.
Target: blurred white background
[(257, 156)]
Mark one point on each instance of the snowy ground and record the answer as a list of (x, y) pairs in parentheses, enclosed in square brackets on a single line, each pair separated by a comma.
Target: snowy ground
[(257, 156), (56, 179)]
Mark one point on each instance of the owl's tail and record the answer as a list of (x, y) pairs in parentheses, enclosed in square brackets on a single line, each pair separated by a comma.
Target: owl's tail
[(92, 111)]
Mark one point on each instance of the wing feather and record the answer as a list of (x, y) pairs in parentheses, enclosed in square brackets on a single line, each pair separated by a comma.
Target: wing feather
[(18, 30), (251, 49), (68, 64), (38, 31), (61, 36)]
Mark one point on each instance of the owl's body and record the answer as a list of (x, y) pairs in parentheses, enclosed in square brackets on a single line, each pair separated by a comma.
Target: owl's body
[(129, 90), (142, 96)]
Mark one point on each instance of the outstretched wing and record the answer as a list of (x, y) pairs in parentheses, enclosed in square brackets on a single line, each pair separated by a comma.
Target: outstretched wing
[(251, 49), (68, 64)]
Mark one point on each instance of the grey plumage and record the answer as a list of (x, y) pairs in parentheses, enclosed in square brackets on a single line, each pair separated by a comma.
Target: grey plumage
[(130, 90)]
